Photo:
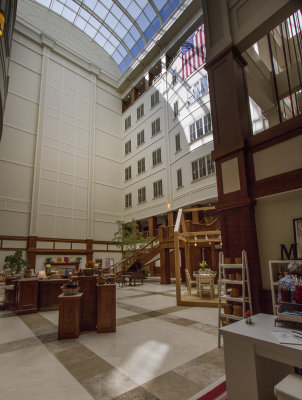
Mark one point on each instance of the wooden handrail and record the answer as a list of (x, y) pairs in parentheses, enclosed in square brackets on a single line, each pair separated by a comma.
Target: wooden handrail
[(121, 263)]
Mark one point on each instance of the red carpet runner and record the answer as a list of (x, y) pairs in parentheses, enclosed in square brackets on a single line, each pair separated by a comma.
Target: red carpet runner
[(218, 393)]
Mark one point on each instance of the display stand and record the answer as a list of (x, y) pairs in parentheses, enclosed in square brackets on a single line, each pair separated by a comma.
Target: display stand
[(277, 268), (106, 308), (69, 316), (88, 310), (238, 301)]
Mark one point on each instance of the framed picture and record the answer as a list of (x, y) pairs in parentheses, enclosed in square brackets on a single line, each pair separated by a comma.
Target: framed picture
[(298, 236)]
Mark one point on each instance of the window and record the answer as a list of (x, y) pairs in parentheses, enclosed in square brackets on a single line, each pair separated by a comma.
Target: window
[(157, 188), (199, 128), (174, 77), (204, 85), (128, 122), (175, 109), (140, 138), (207, 123), (199, 89), (196, 91), (190, 96), (128, 147), (141, 165), (202, 167), (140, 111), (156, 157), (155, 126), (192, 132), (179, 178), (141, 194), (154, 98), (128, 173), (177, 142), (128, 200)]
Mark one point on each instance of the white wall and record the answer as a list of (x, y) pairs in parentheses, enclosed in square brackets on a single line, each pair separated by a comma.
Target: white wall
[(274, 222), (65, 178)]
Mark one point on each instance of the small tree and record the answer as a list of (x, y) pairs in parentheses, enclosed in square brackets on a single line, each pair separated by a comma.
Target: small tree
[(129, 238), (15, 262)]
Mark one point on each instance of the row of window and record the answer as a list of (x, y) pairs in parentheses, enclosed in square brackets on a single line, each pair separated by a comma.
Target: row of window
[(199, 128), (156, 159), (201, 168), (155, 128), (140, 112), (141, 193), (199, 89)]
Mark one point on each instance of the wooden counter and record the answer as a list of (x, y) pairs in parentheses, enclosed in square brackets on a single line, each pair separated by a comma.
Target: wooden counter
[(48, 293), (26, 296)]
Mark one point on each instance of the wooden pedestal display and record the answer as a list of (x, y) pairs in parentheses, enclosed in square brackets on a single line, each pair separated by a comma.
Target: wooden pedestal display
[(88, 309), (69, 316), (27, 296), (106, 308)]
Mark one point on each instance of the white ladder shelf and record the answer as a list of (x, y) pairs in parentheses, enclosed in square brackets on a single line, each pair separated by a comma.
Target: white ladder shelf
[(244, 297)]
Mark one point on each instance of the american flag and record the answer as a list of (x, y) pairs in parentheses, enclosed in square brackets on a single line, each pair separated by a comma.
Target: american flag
[(193, 52)]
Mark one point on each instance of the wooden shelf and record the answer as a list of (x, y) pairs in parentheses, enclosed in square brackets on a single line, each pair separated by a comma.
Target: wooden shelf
[(231, 281), (233, 266), (237, 299), (231, 316)]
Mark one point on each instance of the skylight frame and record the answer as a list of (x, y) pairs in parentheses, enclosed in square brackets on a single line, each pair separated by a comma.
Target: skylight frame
[(123, 28)]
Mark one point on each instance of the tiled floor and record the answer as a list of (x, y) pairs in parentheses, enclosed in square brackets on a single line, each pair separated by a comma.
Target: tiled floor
[(159, 351)]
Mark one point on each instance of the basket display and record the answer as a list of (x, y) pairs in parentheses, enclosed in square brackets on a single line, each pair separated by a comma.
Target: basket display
[(228, 309), (237, 310), (70, 291)]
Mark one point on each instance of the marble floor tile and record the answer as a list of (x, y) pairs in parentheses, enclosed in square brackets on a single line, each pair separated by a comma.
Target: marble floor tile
[(139, 393), (19, 345), (12, 329), (201, 371), (34, 373), (146, 349), (52, 316), (207, 315), (88, 368), (171, 386), (155, 302), (122, 312), (74, 355), (108, 385)]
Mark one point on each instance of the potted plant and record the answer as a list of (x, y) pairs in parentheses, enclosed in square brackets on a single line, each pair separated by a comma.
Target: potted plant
[(15, 263)]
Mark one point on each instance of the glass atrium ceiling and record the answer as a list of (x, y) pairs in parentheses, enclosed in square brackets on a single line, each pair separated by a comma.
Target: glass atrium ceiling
[(123, 28)]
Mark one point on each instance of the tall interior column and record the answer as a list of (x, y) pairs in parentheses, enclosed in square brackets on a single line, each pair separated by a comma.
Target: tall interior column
[(231, 126)]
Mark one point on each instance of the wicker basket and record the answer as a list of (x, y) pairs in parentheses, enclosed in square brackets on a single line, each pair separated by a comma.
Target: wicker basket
[(70, 291), (228, 309), (237, 310), (235, 292)]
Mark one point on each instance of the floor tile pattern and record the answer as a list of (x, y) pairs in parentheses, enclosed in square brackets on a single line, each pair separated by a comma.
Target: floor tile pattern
[(159, 351)]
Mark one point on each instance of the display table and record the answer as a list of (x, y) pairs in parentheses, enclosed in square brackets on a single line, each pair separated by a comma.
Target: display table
[(106, 308), (254, 360), (69, 316)]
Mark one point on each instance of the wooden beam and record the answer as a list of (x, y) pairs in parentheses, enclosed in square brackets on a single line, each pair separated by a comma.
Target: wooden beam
[(177, 223), (201, 233), (199, 209), (177, 269)]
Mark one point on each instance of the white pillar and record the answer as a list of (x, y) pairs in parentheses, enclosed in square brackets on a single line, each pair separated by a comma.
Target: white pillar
[(94, 74), (48, 44)]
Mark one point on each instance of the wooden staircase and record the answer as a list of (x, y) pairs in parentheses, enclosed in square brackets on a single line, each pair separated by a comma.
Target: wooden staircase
[(143, 256)]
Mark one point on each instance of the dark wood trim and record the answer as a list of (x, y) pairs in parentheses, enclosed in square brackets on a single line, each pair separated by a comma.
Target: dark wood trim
[(42, 239), (277, 184), (228, 150), (277, 134)]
